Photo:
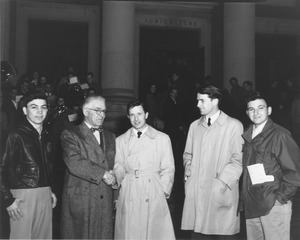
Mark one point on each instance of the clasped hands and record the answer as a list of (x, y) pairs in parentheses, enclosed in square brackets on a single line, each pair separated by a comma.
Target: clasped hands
[(110, 178)]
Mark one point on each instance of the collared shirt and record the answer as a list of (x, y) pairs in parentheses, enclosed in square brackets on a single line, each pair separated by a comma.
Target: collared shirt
[(174, 100), (257, 130), (143, 131), (15, 104), (96, 133), (214, 117)]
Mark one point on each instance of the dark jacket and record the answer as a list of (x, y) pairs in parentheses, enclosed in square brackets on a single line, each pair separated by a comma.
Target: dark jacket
[(87, 202), (27, 161), (277, 151)]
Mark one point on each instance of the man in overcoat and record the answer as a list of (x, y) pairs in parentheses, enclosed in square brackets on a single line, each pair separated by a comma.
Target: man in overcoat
[(213, 166), (144, 170), (88, 152)]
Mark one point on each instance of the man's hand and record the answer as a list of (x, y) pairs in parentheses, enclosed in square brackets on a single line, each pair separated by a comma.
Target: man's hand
[(109, 178), (14, 210), (54, 200), (187, 171)]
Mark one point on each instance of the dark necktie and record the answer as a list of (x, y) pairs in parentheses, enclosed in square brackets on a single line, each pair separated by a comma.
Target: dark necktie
[(208, 122), (99, 129), (139, 134)]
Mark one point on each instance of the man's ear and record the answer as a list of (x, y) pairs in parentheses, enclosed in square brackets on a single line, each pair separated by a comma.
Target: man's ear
[(269, 110), (146, 115), (24, 110), (84, 111), (215, 101)]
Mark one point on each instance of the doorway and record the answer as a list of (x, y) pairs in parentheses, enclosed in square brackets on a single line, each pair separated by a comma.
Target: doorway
[(163, 51)]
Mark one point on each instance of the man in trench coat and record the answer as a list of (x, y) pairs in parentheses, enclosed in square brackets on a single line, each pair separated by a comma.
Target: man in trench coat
[(88, 152), (213, 166), (144, 170)]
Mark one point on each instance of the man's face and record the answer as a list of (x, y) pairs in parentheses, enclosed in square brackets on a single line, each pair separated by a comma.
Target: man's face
[(258, 111), (94, 112), (13, 94), (206, 105), (36, 111), (35, 75), (60, 101), (175, 77), (89, 79), (43, 80), (137, 117), (233, 83), (153, 89), (48, 88), (246, 87), (174, 94), (24, 86)]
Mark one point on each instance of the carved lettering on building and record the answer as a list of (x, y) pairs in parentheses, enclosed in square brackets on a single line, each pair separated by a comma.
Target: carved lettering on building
[(171, 22)]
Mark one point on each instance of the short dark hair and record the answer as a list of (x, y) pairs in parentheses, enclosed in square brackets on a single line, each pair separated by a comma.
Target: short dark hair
[(136, 103), (256, 97), (90, 73), (212, 92), (32, 96)]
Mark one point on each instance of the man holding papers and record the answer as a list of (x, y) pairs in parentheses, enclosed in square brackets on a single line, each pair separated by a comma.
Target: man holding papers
[(271, 164)]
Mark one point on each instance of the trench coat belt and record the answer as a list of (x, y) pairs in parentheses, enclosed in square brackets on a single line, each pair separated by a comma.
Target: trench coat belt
[(137, 173)]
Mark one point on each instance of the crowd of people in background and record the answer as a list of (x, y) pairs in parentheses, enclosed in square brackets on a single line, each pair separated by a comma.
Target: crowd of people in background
[(173, 111)]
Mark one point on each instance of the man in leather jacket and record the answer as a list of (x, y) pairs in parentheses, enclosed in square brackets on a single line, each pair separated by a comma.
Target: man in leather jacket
[(26, 172), (271, 174)]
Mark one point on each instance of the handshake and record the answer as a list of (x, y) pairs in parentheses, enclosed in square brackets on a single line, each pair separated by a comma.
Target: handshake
[(110, 178)]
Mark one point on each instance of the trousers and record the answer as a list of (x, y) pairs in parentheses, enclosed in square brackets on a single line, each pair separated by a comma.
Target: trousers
[(36, 207), (275, 225)]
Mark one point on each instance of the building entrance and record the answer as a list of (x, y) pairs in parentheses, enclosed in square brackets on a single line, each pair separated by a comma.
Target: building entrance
[(163, 51)]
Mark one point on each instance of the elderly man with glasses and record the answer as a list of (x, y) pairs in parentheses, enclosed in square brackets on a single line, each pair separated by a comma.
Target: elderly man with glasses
[(88, 152)]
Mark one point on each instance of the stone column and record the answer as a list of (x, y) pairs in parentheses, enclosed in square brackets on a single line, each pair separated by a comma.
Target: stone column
[(4, 29), (239, 42), (117, 74)]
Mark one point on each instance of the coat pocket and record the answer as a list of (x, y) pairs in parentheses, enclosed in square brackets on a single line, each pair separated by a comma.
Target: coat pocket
[(221, 194)]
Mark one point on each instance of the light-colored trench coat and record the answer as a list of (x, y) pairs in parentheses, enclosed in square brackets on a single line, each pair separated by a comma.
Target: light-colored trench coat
[(145, 170), (215, 153)]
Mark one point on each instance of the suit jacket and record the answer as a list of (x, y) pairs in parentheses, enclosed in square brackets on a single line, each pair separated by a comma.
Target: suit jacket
[(87, 202)]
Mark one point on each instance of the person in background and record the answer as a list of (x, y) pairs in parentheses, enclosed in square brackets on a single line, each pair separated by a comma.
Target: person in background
[(237, 93), (26, 173), (91, 81), (271, 174), (213, 165), (152, 106), (295, 113), (174, 127), (88, 152), (144, 168), (10, 107), (248, 89)]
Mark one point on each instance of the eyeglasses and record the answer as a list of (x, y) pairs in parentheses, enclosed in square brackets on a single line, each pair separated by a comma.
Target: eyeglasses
[(98, 111)]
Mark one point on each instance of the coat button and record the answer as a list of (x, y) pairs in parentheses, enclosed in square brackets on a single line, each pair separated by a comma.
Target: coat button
[(101, 197), (147, 200)]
